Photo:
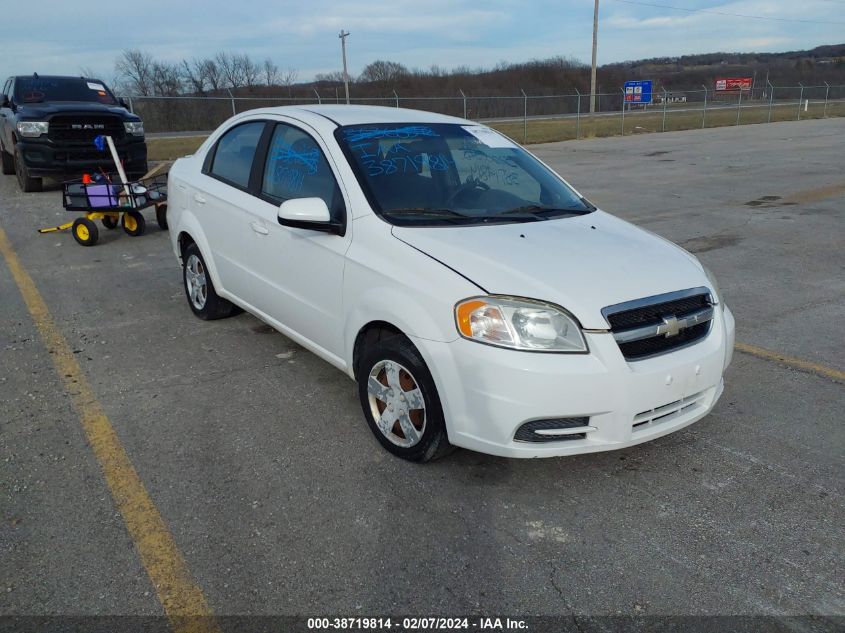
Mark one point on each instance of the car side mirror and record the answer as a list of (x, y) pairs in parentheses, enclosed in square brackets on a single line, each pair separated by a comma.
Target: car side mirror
[(308, 213), (6, 103), (122, 103)]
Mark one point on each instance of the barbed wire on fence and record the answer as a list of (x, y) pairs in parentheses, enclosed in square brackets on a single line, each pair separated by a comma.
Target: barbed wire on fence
[(669, 110)]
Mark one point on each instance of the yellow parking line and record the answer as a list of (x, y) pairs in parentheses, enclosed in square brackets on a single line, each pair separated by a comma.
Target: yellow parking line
[(791, 361), (180, 596)]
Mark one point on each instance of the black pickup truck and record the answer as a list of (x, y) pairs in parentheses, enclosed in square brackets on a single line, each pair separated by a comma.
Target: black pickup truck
[(48, 125)]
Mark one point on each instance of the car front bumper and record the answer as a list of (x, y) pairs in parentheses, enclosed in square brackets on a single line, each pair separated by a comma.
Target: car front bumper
[(487, 393), (45, 158)]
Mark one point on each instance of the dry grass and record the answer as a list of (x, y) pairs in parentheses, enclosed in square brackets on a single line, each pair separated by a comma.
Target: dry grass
[(172, 148), (546, 131)]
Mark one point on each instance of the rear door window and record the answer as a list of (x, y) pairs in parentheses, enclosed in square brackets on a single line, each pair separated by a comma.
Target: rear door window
[(235, 152)]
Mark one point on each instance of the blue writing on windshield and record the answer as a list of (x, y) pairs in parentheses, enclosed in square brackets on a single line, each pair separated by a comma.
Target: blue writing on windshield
[(410, 131)]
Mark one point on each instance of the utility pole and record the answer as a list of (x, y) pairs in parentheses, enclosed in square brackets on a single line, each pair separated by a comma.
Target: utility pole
[(593, 70), (343, 35)]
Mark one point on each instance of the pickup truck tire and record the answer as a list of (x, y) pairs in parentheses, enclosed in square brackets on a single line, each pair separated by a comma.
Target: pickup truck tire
[(8, 162), (27, 183)]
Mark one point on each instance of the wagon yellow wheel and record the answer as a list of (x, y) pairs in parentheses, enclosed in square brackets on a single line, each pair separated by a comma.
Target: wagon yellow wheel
[(133, 223), (85, 232), (110, 221)]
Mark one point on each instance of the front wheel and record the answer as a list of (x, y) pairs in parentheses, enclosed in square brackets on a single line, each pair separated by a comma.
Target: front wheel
[(8, 162), (400, 401), (199, 289), (26, 183), (85, 232)]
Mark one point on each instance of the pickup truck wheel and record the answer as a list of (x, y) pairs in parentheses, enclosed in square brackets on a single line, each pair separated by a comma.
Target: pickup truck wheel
[(199, 289), (400, 401), (27, 184), (8, 162)]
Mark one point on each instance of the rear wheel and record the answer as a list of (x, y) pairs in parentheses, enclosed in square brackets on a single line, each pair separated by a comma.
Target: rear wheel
[(400, 401), (161, 216), (199, 289), (8, 162), (85, 231), (110, 221), (134, 223), (26, 183)]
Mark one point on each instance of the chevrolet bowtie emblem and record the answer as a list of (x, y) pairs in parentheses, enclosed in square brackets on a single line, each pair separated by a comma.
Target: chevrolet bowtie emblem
[(670, 326)]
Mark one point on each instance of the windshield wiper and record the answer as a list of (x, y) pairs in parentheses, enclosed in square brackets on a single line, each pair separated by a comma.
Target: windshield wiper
[(443, 213), (539, 210)]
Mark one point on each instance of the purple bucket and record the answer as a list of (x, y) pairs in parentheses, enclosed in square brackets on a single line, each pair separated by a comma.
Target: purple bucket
[(102, 196)]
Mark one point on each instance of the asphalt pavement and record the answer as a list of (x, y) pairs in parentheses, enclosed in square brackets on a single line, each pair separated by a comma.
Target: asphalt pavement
[(257, 456)]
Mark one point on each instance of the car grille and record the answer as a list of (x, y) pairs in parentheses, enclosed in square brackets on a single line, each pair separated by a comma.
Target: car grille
[(660, 324), (84, 128), (668, 412)]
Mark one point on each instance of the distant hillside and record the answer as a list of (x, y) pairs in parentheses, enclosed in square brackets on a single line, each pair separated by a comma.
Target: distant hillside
[(815, 66)]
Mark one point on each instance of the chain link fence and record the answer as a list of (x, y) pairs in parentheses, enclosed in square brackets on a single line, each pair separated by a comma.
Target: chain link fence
[(536, 118)]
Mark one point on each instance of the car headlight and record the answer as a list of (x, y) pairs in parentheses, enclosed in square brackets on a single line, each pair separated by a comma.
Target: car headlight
[(521, 324), (135, 128), (717, 294), (32, 128)]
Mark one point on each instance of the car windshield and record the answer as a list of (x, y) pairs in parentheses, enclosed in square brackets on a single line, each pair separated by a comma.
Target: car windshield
[(38, 89), (441, 174)]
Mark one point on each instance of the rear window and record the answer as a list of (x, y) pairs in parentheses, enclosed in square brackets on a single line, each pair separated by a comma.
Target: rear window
[(38, 89)]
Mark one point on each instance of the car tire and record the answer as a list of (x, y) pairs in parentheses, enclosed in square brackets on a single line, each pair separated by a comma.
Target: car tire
[(400, 401), (199, 289), (27, 184), (85, 231), (134, 223), (8, 162)]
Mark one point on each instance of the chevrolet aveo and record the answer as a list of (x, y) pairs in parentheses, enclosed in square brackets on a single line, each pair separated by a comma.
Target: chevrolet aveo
[(477, 299)]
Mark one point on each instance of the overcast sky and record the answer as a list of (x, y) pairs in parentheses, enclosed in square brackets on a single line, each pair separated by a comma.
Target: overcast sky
[(64, 36)]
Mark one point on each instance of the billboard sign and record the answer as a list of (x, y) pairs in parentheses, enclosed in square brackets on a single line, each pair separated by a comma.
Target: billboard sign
[(732, 84), (638, 91)]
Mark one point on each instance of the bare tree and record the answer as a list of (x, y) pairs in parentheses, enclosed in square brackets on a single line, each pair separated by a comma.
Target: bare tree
[(135, 70), (211, 74), (247, 69), (271, 72), (383, 71), (289, 78), (225, 62), (192, 73), (334, 77), (166, 79)]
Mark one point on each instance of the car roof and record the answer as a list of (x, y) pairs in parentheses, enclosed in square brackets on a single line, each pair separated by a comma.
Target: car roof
[(362, 114)]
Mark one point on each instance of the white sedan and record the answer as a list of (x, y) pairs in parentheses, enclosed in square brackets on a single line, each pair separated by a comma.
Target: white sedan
[(477, 298)]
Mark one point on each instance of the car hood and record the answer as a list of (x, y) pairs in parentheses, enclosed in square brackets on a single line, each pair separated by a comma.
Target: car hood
[(583, 263), (32, 111)]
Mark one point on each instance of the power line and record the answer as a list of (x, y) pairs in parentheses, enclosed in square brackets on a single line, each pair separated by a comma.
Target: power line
[(733, 15)]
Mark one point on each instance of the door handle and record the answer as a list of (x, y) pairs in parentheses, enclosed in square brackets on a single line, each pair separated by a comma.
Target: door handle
[(259, 228), (199, 199)]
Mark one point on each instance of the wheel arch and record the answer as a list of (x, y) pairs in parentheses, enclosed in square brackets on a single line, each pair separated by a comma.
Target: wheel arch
[(187, 237)]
